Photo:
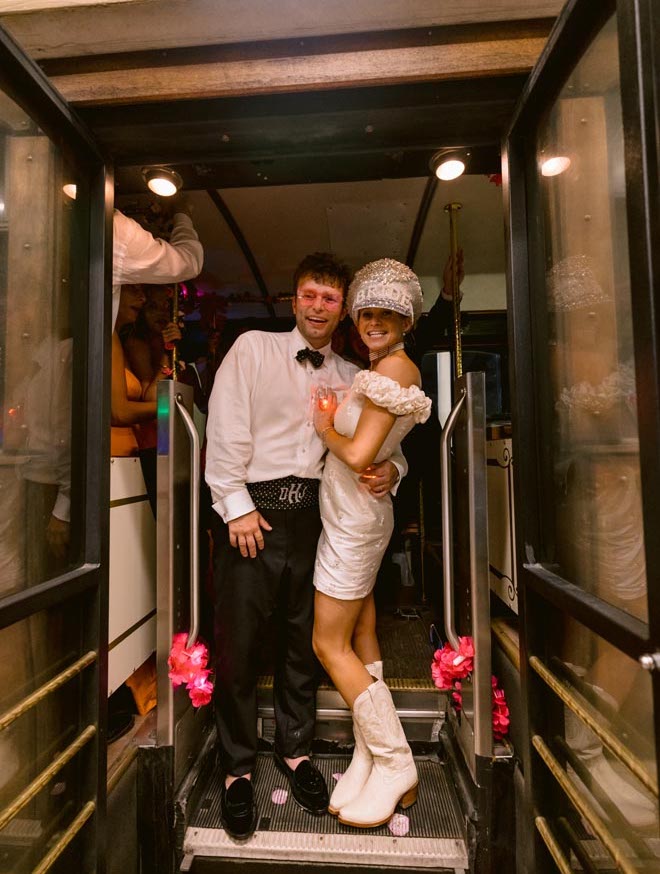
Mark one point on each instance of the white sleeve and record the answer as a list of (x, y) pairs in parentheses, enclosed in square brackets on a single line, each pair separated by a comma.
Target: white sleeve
[(228, 432), (138, 256), (398, 459)]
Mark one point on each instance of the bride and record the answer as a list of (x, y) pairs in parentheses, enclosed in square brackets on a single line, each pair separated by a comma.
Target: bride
[(383, 405)]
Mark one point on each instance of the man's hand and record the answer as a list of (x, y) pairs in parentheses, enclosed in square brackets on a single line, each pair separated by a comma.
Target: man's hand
[(448, 275), (245, 533), (58, 536), (380, 478)]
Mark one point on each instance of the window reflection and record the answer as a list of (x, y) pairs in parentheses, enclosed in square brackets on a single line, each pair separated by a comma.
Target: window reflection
[(593, 404), (37, 251), (614, 687)]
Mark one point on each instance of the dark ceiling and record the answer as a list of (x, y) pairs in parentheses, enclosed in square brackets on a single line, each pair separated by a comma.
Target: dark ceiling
[(331, 136)]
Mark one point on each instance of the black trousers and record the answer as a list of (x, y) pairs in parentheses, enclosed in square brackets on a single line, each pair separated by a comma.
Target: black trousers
[(248, 591)]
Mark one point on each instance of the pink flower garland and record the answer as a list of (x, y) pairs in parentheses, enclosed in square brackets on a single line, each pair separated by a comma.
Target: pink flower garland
[(188, 665), (449, 667)]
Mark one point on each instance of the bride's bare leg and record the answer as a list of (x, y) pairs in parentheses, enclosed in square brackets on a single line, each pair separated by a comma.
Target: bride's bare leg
[(365, 642), (334, 624)]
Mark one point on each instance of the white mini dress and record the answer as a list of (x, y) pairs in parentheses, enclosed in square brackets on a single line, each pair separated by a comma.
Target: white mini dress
[(357, 526)]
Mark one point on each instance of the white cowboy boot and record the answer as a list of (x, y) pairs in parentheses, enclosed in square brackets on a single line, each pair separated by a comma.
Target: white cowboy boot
[(638, 809), (393, 778), (356, 775)]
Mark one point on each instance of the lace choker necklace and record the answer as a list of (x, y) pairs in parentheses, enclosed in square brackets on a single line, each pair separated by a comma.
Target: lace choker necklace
[(376, 356)]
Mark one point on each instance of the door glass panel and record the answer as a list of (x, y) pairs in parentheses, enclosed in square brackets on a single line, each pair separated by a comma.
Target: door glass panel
[(616, 686), (40, 274), (32, 652), (592, 405)]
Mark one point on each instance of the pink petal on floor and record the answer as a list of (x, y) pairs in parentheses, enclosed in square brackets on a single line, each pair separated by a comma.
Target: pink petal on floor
[(399, 824), (279, 796), (337, 777)]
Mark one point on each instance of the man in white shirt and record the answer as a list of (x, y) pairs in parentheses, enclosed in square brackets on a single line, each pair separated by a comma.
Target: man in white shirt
[(263, 465), (138, 257)]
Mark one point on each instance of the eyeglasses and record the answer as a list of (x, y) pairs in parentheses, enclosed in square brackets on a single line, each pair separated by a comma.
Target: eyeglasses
[(328, 301)]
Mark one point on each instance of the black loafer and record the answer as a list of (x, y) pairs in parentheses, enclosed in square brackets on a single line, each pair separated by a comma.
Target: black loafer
[(307, 785), (238, 809)]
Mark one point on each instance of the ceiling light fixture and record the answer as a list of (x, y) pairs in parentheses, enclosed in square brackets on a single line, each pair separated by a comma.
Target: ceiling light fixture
[(162, 180), (70, 189), (555, 166), (448, 164)]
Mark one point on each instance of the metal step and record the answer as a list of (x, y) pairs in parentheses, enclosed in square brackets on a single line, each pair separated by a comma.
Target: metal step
[(427, 835), (420, 706)]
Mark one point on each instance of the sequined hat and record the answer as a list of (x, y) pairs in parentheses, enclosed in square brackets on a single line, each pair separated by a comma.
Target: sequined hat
[(386, 284)]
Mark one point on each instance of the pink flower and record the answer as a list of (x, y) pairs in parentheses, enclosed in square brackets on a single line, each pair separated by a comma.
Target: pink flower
[(200, 689), (501, 719), (449, 665), (188, 665), (457, 697)]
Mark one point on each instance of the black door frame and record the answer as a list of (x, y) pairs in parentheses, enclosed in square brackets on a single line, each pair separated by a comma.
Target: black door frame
[(544, 594), (86, 585)]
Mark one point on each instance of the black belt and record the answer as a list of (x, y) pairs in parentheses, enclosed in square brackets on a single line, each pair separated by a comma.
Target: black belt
[(287, 493)]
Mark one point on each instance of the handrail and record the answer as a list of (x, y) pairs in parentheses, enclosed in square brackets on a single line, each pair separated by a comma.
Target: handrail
[(45, 776), (42, 692), (622, 753), (194, 518), (511, 651), (583, 806), (553, 845), (57, 849), (447, 532)]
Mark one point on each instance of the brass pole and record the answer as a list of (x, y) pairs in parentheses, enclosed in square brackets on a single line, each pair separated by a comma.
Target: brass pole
[(452, 209)]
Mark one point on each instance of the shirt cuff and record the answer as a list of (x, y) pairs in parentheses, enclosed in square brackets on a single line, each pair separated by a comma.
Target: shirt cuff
[(402, 473), (448, 296), (62, 508), (234, 505)]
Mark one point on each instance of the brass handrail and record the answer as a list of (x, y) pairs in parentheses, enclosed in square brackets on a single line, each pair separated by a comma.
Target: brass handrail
[(42, 692), (57, 849), (552, 844), (576, 845), (511, 651), (45, 776), (120, 770), (583, 806), (586, 714)]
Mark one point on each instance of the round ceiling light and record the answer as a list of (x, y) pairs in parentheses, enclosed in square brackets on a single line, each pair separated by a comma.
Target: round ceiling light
[(451, 169), (70, 190), (162, 181), (555, 166), (448, 164)]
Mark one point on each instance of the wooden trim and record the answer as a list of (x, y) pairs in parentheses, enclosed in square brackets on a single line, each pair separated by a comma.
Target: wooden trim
[(53, 28), (466, 60)]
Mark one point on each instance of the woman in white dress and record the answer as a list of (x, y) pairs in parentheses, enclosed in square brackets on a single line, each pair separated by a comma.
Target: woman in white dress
[(382, 406)]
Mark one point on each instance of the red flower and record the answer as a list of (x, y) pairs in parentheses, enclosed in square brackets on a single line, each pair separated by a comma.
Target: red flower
[(495, 178), (188, 665), (200, 689), (500, 712), (449, 665)]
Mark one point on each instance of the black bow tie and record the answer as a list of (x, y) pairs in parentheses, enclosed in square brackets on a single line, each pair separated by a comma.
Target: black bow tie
[(316, 358)]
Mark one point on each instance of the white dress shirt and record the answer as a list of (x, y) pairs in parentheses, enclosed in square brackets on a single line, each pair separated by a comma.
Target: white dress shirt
[(138, 256), (48, 421), (260, 421)]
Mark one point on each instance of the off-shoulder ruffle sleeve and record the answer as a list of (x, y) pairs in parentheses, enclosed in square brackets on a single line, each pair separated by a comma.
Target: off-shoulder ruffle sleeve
[(387, 393)]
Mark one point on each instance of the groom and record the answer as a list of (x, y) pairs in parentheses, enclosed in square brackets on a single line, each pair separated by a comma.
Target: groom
[(263, 465)]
